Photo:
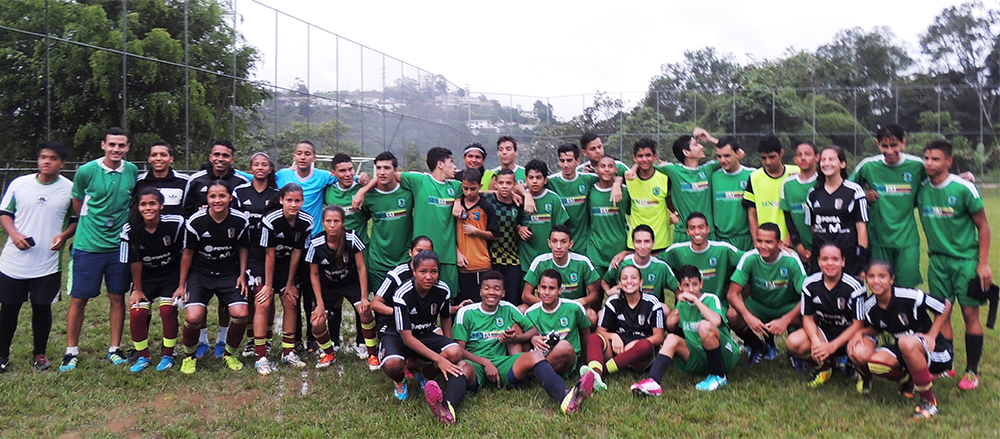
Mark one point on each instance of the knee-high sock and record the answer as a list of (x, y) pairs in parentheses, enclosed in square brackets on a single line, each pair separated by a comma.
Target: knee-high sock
[(454, 391), (595, 353), (168, 315), (138, 324), (358, 329), (973, 352), (287, 343), (549, 380), (260, 347), (322, 336), (368, 330), (641, 350), (714, 359), (8, 324), (189, 337), (751, 340), (235, 336), (891, 373), (334, 318), (659, 367), (922, 382), (252, 309)]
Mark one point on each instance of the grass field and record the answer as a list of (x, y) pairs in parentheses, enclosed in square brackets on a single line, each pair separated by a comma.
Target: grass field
[(346, 400)]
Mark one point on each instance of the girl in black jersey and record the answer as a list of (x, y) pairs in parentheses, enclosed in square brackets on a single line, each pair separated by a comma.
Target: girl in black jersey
[(837, 211), (255, 198), (337, 270), (151, 243), (214, 264)]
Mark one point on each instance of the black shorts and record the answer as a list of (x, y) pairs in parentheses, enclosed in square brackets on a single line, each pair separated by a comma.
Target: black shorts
[(42, 290), (468, 287), (392, 346), (161, 286), (938, 361), (201, 288), (350, 292), (830, 333)]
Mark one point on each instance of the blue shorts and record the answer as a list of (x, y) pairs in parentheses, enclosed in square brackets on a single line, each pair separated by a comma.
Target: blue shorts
[(88, 270)]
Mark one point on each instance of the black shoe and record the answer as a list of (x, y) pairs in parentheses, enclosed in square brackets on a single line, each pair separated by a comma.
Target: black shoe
[(4, 363), (41, 362)]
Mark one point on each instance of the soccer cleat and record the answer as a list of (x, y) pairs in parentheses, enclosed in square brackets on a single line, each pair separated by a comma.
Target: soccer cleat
[(201, 350), (821, 376), (167, 362), (141, 364), (233, 362), (711, 383), (799, 365), (189, 365), (264, 366), (420, 379), (69, 362), (117, 357), (578, 393), (646, 387), (771, 353), (373, 363), (950, 373), (400, 391), (41, 362), (969, 381), (925, 410), (220, 349), (755, 357), (435, 399), (598, 381), (361, 350), (249, 352), (906, 386), (864, 385), (325, 361), (4, 364), (293, 359)]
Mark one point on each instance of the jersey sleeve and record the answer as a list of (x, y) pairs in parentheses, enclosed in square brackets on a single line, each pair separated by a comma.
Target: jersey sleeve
[(388, 288), (608, 319), (806, 306), (743, 271), (267, 239), (523, 321), (410, 180), (670, 280), (591, 275), (655, 318), (80, 182), (8, 206), (459, 330), (532, 277), (626, 203), (126, 253), (973, 202), (749, 199), (190, 236), (310, 252), (559, 215), (582, 322), (401, 315), (492, 222), (860, 211), (807, 206), (798, 273), (611, 276)]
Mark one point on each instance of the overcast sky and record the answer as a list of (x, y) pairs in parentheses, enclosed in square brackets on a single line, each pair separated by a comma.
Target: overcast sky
[(548, 48)]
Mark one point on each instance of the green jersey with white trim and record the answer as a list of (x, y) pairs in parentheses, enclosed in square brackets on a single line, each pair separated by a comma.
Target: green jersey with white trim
[(794, 194), (728, 214), (717, 262), (548, 212), (690, 189), (608, 225), (656, 276), (432, 204), (392, 220), (573, 194), (480, 330), (775, 285), (689, 316), (946, 215), (567, 320), (354, 219), (577, 274), (891, 222), (106, 194)]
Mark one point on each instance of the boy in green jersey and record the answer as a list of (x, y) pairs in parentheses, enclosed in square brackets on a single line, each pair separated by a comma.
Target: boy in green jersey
[(729, 216), (794, 191), (705, 348), (572, 188), (342, 193), (657, 277), (608, 220), (958, 241), (535, 227), (649, 192), (391, 210), (507, 153), (689, 181), (558, 320), (593, 150), (581, 279), (762, 196), (764, 292), (717, 260)]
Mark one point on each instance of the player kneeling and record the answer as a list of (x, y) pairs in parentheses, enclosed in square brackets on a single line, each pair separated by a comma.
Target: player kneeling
[(706, 347)]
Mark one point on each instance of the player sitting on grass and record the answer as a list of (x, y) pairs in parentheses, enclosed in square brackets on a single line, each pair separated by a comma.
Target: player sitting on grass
[(558, 319), (706, 348)]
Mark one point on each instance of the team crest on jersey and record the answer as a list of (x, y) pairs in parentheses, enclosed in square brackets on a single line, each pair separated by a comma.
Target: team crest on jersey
[(841, 303), (712, 261), (783, 271), (656, 191), (166, 241), (573, 277), (401, 202), (582, 189), (548, 207), (451, 192), (642, 320), (838, 203), (42, 199), (475, 216), (952, 200), (651, 277), (297, 236), (701, 174), (434, 309), (907, 176), (563, 321), (743, 184), (231, 233), (499, 322), (904, 319)]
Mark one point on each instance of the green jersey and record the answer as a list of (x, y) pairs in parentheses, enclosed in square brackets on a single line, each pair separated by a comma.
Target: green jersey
[(480, 330), (392, 219), (649, 206), (656, 276), (776, 285), (608, 226), (946, 215), (577, 274), (763, 193), (690, 189), (890, 221), (548, 212), (573, 194), (432, 204), (106, 194), (567, 320), (689, 316), (794, 192), (717, 262), (354, 219), (519, 173), (729, 217)]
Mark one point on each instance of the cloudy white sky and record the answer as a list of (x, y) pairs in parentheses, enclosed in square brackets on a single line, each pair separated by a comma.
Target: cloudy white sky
[(547, 48)]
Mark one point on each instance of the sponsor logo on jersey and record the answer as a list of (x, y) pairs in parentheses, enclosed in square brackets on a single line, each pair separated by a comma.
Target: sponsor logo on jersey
[(573, 201), (708, 274), (209, 248), (694, 186), (435, 201), (538, 218), (247, 202), (413, 311), (280, 235), (390, 215), (563, 321), (326, 262), (646, 203), (499, 321), (206, 235), (42, 199), (937, 212), (774, 204), (771, 284), (799, 208), (728, 195), (893, 189), (604, 211)]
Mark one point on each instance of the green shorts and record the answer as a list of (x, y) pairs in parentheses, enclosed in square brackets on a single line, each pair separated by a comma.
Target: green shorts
[(697, 361), (742, 243), (906, 262), (449, 275), (503, 365), (766, 313), (948, 278)]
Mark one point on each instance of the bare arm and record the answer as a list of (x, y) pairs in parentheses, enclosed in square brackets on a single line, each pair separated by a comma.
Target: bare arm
[(984, 271), (528, 295)]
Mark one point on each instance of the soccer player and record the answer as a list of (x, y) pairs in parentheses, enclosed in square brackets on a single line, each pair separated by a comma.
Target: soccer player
[(337, 271), (630, 328), (214, 264), (837, 211), (582, 281), (656, 275), (507, 153), (572, 188), (608, 234), (717, 260), (163, 177), (762, 196), (689, 179), (593, 150), (829, 305), (152, 243), (563, 318), (474, 156), (382, 301), (477, 224), (391, 210), (763, 293), (729, 216), (648, 192), (535, 227), (917, 348), (36, 209), (285, 236), (793, 199), (958, 240), (101, 191), (705, 346), (505, 251), (484, 330)]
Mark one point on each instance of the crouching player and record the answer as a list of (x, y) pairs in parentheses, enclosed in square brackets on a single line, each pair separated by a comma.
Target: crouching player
[(706, 347), (918, 348), (558, 320)]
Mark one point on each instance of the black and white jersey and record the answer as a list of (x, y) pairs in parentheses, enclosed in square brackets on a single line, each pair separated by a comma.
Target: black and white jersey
[(283, 237), (909, 311), (171, 187), (834, 217), (335, 274), (196, 192), (834, 309), (393, 280), (216, 245), (159, 252), (632, 323), (420, 314), (254, 204)]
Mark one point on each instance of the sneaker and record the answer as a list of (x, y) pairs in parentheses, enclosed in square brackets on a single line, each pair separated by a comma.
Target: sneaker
[(4, 364), (646, 387), (189, 365), (325, 361), (361, 350), (711, 383), (69, 362), (117, 357), (400, 390), (598, 381), (906, 387), (373, 363), (578, 393), (141, 364), (293, 359), (232, 362), (755, 357), (925, 410), (821, 376), (435, 399), (201, 350), (950, 373), (220, 349), (421, 380), (864, 385), (969, 381), (263, 366), (249, 351), (771, 354), (167, 362), (799, 365), (41, 362)]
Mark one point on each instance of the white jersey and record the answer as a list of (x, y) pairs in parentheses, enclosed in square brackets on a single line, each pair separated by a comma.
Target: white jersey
[(39, 212)]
